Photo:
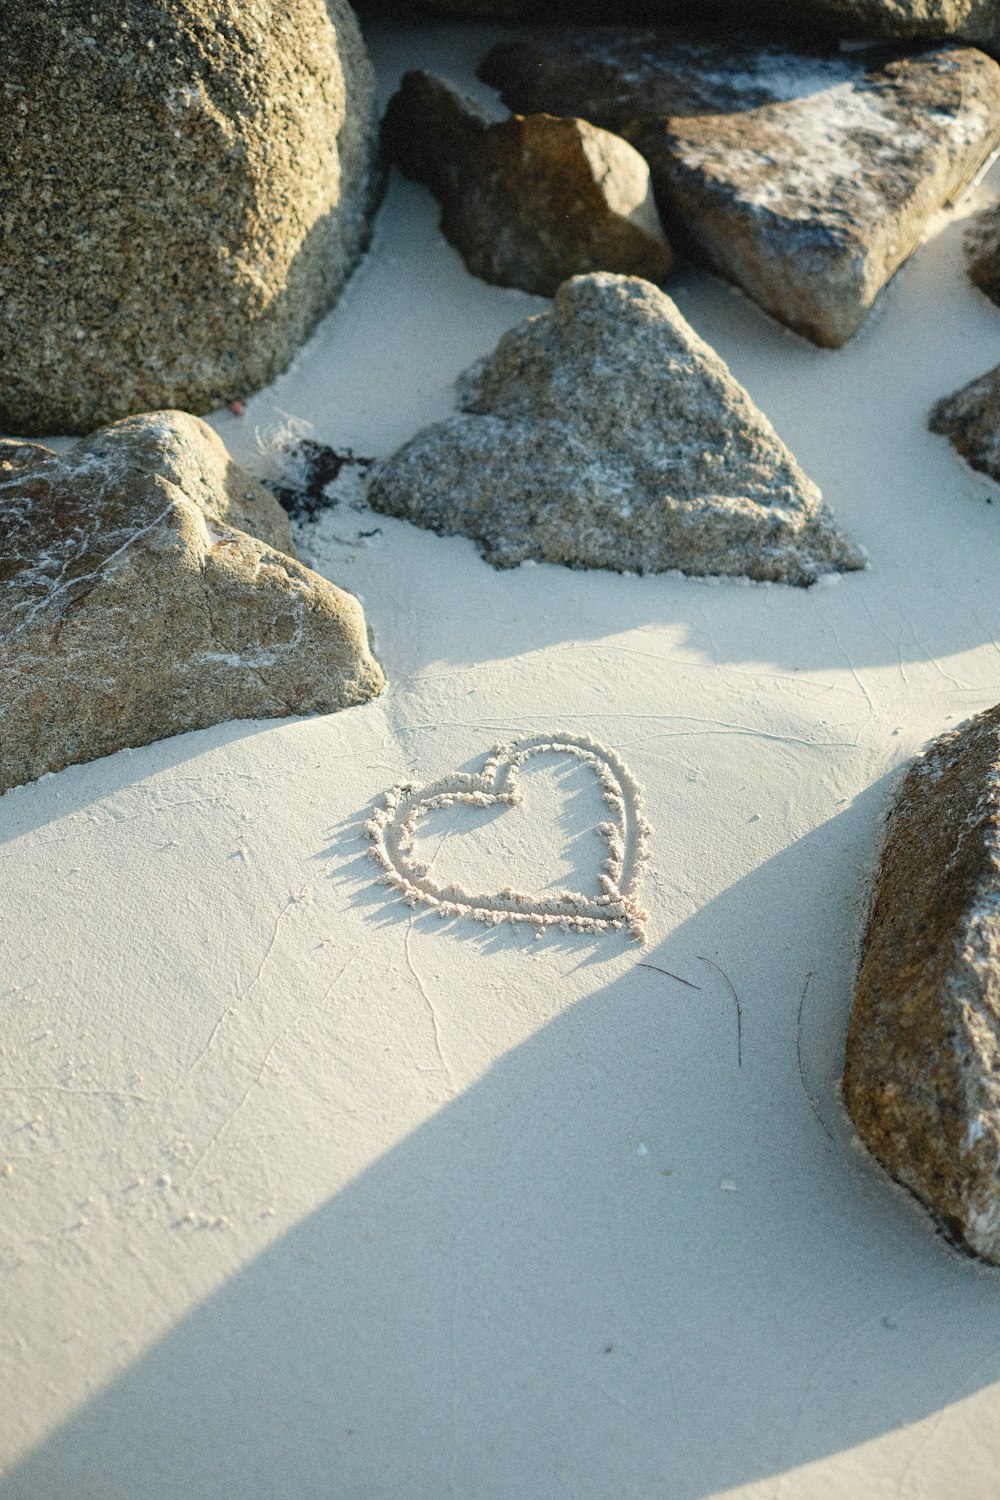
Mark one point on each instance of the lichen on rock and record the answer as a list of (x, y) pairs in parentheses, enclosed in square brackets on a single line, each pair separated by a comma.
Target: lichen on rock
[(607, 434), (803, 174), (922, 1074), (149, 589), (184, 188)]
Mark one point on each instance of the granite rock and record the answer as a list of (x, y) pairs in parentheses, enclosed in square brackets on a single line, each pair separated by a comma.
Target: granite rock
[(805, 176), (184, 188), (982, 252), (606, 434), (969, 20), (149, 590), (528, 201), (922, 1075), (971, 420)]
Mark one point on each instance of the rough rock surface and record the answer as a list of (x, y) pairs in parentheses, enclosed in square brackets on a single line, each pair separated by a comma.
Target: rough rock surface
[(922, 1077), (969, 20), (529, 201), (971, 419), (806, 177), (184, 187), (606, 434), (148, 590), (982, 252)]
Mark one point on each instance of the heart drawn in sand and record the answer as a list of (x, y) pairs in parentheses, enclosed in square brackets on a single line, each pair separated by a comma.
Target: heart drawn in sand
[(613, 905)]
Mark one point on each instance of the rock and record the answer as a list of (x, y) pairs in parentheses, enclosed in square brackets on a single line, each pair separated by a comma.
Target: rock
[(971, 419), (184, 189), (807, 177), (969, 20), (531, 200), (922, 1076), (982, 252), (606, 434), (148, 590)]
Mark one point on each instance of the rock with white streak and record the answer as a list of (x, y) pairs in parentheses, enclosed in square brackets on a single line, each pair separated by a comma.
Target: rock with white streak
[(806, 176), (606, 434), (529, 201), (148, 590), (922, 1076)]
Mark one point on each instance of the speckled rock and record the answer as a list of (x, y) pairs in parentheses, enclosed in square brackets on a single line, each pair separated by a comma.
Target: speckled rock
[(922, 1078), (529, 201), (148, 590), (971, 420), (982, 252), (606, 434), (184, 187), (807, 177)]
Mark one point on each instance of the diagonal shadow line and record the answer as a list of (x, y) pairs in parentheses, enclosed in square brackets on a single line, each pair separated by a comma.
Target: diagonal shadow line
[(587, 1275)]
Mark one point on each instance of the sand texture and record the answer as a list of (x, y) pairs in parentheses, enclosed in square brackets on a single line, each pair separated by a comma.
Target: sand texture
[(306, 1192)]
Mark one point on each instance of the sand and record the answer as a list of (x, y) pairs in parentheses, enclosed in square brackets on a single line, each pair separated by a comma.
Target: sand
[(304, 1192)]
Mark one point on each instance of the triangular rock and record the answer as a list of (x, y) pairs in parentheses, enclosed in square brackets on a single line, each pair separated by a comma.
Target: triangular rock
[(971, 420), (607, 434), (805, 176)]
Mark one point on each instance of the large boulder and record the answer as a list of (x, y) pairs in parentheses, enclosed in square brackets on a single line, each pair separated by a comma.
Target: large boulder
[(184, 187), (148, 589), (529, 201), (922, 1077), (606, 434), (806, 176)]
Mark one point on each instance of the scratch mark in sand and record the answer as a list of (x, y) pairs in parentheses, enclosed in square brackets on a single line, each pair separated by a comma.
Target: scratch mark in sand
[(243, 994), (258, 1078), (850, 665), (926, 656), (429, 1004), (58, 1088), (798, 1053)]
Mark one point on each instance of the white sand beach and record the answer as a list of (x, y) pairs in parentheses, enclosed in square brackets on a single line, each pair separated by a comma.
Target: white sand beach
[(307, 1193)]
